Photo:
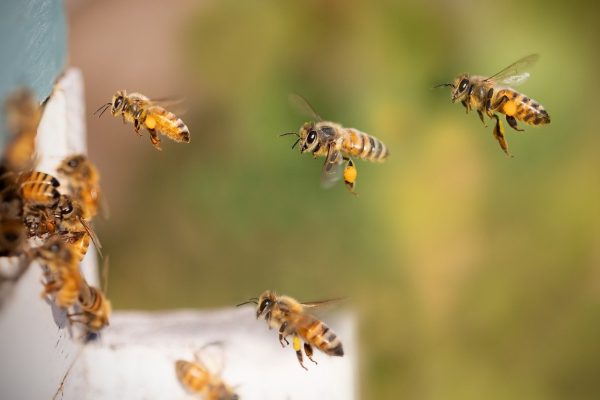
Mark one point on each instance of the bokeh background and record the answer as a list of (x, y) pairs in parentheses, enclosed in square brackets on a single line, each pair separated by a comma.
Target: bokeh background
[(474, 275)]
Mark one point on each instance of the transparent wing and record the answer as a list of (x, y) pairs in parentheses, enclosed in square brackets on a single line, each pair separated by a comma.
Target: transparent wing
[(92, 234), (303, 106), (515, 80), (515, 68), (323, 303), (332, 167)]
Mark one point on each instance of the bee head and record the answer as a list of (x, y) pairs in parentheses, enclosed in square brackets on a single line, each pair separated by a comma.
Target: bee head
[(70, 164), (460, 87), (309, 137), (265, 302), (118, 101)]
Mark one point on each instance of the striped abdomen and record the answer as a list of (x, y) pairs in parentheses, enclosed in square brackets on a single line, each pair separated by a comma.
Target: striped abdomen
[(522, 107), (167, 123), (359, 144), (192, 376), (65, 283), (39, 189), (319, 335)]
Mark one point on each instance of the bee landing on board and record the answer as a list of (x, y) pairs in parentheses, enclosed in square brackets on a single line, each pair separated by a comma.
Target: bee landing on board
[(198, 379), (144, 112), (337, 144), (291, 319), (489, 95)]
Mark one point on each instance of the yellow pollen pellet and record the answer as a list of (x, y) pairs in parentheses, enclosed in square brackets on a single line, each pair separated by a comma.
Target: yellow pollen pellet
[(510, 108), (150, 122), (350, 174), (297, 343)]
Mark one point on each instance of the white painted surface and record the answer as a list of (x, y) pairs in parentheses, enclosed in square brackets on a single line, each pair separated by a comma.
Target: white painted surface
[(36, 348), (135, 357)]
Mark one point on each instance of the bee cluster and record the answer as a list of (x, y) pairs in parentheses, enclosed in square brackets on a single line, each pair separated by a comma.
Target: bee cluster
[(48, 219)]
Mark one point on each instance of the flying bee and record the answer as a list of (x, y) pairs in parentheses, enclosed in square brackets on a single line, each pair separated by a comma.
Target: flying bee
[(142, 111), (491, 95), (290, 317), (197, 378), (23, 115), (337, 144), (63, 278), (82, 181)]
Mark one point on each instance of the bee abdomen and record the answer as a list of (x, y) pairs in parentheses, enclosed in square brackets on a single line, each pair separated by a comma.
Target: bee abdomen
[(523, 108), (168, 124), (40, 193), (191, 376), (324, 339), (365, 146)]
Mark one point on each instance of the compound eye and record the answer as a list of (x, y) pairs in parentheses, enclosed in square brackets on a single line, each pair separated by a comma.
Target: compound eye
[(54, 248), (312, 136), (263, 305), (118, 102), (67, 209), (463, 85), (73, 163)]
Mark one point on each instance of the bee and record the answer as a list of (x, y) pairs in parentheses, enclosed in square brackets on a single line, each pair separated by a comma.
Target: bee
[(73, 228), (491, 95), (23, 115), (198, 379), (63, 278), (95, 308), (337, 144), (82, 182), (142, 111), (290, 317)]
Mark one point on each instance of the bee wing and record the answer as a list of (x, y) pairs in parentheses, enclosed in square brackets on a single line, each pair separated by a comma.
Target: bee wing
[(90, 231), (211, 357), (332, 167), (303, 106), (515, 80), (515, 68), (323, 303)]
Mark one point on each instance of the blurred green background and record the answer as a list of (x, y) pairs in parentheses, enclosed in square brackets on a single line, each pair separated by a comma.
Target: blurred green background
[(474, 275)]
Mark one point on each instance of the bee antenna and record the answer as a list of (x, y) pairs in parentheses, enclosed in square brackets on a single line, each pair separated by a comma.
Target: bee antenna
[(443, 84), (295, 143), (253, 300), (289, 133), (103, 106)]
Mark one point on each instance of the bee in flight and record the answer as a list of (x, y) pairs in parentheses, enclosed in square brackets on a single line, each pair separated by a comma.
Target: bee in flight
[(337, 144), (144, 112), (291, 319), (197, 378), (491, 95)]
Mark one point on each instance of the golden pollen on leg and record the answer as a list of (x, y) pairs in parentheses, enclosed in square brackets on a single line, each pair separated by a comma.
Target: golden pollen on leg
[(350, 174), (150, 122), (510, 108), (296, 343)]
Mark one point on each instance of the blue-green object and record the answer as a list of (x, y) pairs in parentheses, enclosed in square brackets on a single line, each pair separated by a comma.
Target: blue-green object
[(33, 47)]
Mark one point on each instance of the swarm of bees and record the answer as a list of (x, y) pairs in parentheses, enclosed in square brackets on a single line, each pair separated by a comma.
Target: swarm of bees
[(48, 222), (491, 95)]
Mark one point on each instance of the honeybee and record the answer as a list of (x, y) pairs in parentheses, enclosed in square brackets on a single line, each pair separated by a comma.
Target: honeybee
[(95, 308), (23, 115), (82, 181), (63, 278), (337, 144), (489, 95), (198, 379), (290, 317), (73, 227), (142, 111)]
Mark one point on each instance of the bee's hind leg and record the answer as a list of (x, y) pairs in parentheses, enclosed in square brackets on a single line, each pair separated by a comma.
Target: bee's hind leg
[(512, 121), (298, 348), (308, 350), (499, 135), (350, 174), (154, 139)]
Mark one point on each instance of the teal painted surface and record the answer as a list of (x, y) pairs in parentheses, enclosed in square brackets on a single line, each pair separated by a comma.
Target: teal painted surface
[(33, 44)]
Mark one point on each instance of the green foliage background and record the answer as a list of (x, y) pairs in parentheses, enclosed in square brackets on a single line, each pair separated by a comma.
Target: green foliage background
[(473, 275)]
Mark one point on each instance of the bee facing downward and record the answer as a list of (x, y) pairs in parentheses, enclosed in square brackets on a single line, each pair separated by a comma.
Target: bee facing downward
[(337, 144), (488, 96), (290, 318), (142, 111)]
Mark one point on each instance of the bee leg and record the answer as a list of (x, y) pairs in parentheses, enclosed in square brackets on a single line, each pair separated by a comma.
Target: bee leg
[(298, 348), (282, 338), (512, 121), (308, 350), (481, 117), (499, 135), (464, 103), (136, 126), (154, 139), (350, 173)]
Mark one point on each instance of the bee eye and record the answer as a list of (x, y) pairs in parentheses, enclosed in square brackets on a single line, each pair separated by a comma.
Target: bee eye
[(118, 102), (73, 163), (263, 305), (54, 248), (67, 209), (312, 136), (463, 85)]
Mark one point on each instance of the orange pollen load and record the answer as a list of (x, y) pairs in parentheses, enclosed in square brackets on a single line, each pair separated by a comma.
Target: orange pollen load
[(510, 108), (150, 122)]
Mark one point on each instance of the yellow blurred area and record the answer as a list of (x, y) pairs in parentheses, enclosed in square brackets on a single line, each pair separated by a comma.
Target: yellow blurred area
[(475, 275)]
